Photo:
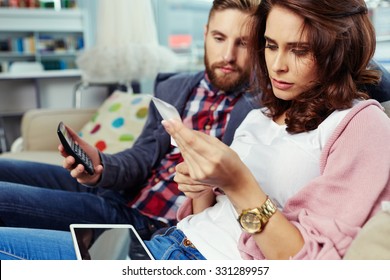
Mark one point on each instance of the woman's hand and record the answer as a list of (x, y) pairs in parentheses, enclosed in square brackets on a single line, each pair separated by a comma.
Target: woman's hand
[(202, 195), (208, 160), (190, 187), (78, 171)]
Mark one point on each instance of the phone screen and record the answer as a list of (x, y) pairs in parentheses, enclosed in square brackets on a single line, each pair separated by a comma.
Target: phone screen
[(64, 132)]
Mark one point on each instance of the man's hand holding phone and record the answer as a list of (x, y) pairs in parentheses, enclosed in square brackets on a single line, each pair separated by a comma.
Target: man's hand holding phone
[(81, 159)]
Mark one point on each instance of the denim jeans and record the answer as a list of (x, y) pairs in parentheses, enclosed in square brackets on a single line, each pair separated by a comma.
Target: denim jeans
[(35, 244), (173, 245), (37, 195), (38, 244)]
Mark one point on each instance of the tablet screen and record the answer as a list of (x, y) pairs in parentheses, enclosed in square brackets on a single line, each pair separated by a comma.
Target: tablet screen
[(108, 242)]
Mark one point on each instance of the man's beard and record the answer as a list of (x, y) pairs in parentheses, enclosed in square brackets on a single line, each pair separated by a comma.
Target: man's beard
[(229, 81)]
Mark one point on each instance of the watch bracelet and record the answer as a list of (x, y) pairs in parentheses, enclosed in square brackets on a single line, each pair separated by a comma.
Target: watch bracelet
[(267, 209)]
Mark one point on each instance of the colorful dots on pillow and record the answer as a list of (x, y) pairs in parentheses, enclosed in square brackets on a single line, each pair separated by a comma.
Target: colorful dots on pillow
[(118, 122), (95, 129), (126, 138), (115, 107), (142, 113), (101, 145), (136, 101)]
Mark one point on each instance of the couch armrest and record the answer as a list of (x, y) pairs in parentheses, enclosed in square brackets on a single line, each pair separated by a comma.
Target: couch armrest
[(372, 242), (39, 126)]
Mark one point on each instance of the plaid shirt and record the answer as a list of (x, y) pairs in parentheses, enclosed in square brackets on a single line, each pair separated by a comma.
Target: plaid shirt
[(207, 110)]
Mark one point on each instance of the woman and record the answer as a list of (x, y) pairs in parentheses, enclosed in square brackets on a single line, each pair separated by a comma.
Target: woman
[(303, 174), (315, 149)]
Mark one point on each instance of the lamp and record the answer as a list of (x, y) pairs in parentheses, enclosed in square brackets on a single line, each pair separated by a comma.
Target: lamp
[(127, 46)]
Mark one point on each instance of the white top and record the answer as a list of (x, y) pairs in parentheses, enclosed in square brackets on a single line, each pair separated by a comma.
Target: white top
[(262, 145)]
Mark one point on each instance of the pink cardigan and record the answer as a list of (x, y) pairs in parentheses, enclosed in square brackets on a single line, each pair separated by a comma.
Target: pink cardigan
[(355, 177)]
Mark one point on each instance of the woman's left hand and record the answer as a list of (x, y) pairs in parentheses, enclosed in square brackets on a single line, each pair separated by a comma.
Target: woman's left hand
[(190, 187)]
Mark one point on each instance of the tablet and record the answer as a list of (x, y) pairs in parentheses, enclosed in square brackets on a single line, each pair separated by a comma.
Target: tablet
[(108, 242)]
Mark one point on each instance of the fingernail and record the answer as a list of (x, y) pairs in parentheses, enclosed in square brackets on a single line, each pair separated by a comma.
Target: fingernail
[(166, 125)]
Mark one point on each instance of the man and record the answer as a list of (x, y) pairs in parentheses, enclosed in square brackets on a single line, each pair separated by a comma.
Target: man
[(136, 186)]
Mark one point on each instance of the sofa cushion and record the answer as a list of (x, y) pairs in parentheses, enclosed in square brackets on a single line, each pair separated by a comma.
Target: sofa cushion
[(118, 122), (50, 157), (372, 242)]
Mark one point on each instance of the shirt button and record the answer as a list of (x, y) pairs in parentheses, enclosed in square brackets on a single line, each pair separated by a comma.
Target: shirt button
[(156, 180), (212, 108), (171, 169), (207, 127)]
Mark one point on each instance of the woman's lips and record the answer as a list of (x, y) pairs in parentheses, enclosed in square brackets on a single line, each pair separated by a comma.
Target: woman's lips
[(281, 85)]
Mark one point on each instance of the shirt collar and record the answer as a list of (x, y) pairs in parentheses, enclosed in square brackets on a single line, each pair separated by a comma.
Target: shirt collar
[(230, 95)]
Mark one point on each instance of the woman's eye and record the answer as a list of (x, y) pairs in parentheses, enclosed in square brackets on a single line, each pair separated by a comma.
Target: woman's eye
[(243, 43), (300, 52), (271, 47)]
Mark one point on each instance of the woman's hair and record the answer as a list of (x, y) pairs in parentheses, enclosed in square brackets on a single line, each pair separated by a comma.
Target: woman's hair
[(245, 6), (342, 40)]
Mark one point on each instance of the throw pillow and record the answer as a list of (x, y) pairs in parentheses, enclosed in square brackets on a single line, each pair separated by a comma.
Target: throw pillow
[(118, 122)]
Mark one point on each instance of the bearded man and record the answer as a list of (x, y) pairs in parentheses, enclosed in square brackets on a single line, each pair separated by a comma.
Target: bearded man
[(136, 186)]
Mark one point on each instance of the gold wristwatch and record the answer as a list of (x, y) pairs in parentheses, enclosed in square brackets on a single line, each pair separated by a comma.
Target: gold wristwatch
[(254, 220)]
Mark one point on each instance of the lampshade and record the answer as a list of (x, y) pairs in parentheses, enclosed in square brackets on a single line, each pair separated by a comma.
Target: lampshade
[(127, 47)]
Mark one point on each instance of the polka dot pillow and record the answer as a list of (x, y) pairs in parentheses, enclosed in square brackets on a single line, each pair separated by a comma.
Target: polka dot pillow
[(118, 122)]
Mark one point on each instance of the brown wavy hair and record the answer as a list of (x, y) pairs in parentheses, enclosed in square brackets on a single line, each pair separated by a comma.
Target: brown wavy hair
[(245, 6), (342, 40)]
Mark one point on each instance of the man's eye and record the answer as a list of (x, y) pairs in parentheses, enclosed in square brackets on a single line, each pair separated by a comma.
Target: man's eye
[(218, 39)]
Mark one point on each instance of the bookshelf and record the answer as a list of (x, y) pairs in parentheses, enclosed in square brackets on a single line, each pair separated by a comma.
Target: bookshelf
[(46, 35), (52, 37)]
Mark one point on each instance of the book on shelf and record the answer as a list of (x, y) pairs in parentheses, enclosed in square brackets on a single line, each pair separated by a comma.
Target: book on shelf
[(22, 45), (63, 4), (67, 44)]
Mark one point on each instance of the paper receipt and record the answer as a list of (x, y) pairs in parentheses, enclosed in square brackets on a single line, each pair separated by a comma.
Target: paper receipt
[(167, 111)]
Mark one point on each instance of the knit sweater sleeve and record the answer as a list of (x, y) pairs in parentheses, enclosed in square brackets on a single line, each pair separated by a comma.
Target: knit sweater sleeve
[(355, 177)]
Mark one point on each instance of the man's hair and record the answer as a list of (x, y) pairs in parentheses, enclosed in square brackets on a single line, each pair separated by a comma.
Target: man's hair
[(342, 40), (245, 6)]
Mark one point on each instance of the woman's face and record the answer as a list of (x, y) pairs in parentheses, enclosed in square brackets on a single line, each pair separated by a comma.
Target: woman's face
[(291, 66)]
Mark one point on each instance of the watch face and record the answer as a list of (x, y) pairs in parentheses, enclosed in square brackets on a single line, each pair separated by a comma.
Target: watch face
[(250, 222)]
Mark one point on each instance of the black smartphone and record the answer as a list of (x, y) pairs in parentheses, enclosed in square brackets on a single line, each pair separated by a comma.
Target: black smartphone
[(74, 149)]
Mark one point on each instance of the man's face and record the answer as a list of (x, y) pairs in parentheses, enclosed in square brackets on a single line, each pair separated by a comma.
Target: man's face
[(226, 57)]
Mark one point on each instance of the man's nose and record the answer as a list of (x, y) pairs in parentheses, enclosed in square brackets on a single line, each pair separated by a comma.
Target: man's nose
[(229, 53)]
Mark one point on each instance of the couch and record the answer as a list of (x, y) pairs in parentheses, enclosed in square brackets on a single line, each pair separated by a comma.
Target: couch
[(39, 142), (112, 127)]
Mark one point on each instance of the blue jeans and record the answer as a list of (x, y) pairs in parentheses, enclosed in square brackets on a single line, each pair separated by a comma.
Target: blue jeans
[(37, 244), (173, 245), (37, 195)]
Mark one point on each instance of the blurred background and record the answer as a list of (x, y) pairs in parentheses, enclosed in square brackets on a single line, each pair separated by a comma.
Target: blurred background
[(53, 52)]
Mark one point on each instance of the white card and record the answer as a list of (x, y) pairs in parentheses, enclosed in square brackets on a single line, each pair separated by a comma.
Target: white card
[(167, 111)]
